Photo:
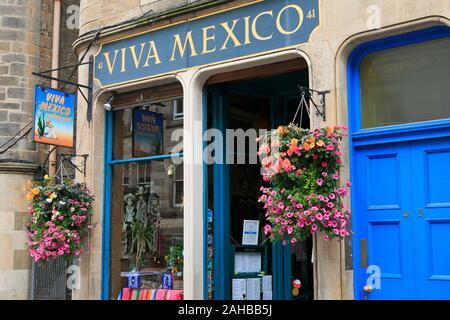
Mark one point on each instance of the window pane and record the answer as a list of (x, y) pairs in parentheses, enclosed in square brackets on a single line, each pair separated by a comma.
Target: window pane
[(145, 131), (142, 212), (179, 193), (178, 172), (406, 84)]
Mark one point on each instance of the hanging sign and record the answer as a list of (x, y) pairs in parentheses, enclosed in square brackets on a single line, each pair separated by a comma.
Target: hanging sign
[(250, 29), (54, 117), (147, 133)]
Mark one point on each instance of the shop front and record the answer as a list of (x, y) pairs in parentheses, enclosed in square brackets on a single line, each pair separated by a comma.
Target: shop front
[(146, 156), (177, 108)]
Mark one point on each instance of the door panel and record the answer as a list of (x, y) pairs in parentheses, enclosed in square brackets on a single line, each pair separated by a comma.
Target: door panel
[(383, 206), (431, 201)]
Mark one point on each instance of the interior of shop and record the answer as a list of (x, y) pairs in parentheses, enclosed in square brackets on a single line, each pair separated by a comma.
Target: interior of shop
[(261, 101)]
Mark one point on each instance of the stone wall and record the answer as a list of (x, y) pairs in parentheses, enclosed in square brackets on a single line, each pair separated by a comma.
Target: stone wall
[(116, 11), (19, 56), (25, 46), (14, 261)]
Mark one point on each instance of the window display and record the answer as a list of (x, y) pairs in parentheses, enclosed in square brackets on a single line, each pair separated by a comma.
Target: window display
[(146, 210)]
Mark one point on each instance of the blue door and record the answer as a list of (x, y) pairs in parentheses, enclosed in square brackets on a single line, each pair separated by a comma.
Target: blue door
[(403, 220), (431, 216)]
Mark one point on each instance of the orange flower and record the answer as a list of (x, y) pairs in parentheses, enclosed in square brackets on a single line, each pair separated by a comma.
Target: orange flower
[(282, 131), (309, 144), (30, 196), (293, 147), (330, 130), (294, 142), (320, 143), (35, 191)]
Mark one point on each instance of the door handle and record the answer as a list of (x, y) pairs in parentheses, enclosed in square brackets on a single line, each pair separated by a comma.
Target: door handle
[(368, 289), (420, 212), (406, 214)]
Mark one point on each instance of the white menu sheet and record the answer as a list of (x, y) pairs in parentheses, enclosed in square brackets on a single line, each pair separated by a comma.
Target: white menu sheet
[(247, 262), (267, 283), (250, 232), (254, 289), (267, 295), (267, 287), (239, 290)]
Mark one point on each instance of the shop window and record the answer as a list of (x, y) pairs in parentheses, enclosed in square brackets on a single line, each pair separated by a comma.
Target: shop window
[(178, 190), (146, 130), (406, 84), (146, 201), (178, 109)]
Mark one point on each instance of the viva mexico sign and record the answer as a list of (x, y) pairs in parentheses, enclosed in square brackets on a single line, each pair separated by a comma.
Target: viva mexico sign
[(254, 28)]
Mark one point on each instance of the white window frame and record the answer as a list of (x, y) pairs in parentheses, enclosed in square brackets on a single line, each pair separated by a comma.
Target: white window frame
[(177, 115)]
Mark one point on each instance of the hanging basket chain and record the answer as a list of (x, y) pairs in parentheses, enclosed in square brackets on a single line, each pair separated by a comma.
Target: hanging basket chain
[(302, 105), (306, 97)]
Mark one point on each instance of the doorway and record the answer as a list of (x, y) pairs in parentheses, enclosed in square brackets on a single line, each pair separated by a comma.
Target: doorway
[(404, 217), (246, 107), (400, 143)]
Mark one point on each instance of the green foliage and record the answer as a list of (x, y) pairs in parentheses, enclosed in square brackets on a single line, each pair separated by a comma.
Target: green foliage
[(60, 218), (175, 258), (303, 194), (142, 241)]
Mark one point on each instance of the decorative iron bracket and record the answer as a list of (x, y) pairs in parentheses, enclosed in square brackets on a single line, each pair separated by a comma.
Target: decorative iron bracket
[(89, 87), (68, 158), (320, 106)]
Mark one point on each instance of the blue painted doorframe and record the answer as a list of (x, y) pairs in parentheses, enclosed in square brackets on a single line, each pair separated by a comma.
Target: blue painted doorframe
[(222, 268), (393, 148)]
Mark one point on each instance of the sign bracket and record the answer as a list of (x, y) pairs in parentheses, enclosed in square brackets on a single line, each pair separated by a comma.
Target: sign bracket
[(43, 74), (74, 67)]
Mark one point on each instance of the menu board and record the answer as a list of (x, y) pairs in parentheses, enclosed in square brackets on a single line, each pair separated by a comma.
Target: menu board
[(247, 262)]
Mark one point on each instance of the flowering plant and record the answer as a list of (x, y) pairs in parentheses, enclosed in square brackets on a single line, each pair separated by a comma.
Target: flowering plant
[(60, 215), (304, 196)]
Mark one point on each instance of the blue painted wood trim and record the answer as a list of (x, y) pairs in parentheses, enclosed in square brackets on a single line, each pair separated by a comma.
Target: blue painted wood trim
[(205, 195), (360, 137), (106, 219), (222, 267), (158, 157), (404, 132), (287, 272), (106, 232), (277, 271)]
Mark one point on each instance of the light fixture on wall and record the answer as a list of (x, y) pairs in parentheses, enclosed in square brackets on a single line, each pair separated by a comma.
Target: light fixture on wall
[(108, 105)]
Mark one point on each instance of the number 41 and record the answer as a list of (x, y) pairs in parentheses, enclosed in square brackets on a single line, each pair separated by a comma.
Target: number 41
[(311, 14)]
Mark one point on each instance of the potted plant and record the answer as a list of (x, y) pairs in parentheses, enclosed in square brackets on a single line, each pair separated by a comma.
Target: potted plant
[(303, 195), (142, 241), (60, 218), (174, 260)]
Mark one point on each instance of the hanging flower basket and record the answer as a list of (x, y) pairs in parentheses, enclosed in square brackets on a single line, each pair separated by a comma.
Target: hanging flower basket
[(304, 196), (60, 215)]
